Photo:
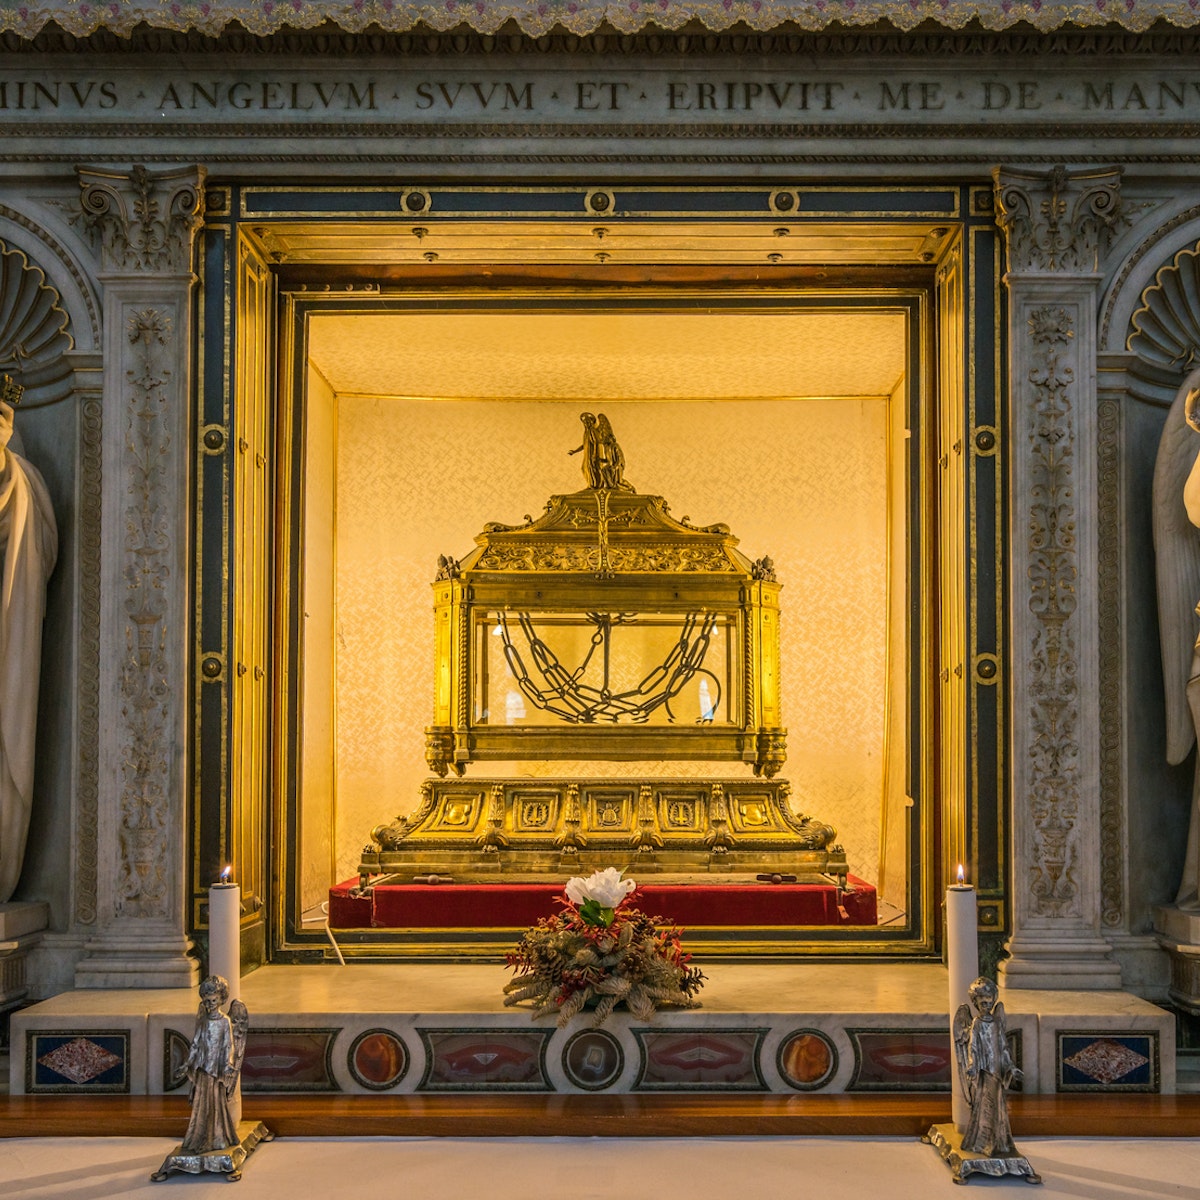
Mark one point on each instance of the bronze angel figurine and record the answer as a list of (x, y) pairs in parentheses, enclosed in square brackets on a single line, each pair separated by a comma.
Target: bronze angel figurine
[(986, 1071), (603, 458), (213, 1141), (213, 1066)]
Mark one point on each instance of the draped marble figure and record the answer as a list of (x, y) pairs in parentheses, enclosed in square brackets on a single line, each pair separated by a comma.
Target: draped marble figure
[(1177, 565), (29, 545)]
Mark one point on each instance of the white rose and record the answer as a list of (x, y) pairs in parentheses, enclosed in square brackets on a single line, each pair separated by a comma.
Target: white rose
[(606, 888), (576, 890)]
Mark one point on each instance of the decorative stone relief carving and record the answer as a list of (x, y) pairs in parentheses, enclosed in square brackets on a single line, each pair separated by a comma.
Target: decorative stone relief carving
[(1057, 224), (144, 220), (1134, 258), (927, 41), (592, 19), (1053, 573), (33, 329), (88, 795), (1166, 325), (1057, 221), (144, 223), (65, 260), (1112, 882), (145, 685)]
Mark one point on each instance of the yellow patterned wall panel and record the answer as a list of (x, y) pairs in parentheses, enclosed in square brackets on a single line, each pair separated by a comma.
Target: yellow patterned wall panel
[(804, 481)]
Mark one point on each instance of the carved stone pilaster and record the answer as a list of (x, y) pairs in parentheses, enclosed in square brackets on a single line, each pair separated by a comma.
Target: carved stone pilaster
[(1112, 825), (144, 223), (89, 391), (1052, 598), (1057, 225)]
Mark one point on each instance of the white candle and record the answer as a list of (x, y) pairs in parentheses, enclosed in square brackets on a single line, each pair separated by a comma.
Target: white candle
[(962, 959), (225, 932)]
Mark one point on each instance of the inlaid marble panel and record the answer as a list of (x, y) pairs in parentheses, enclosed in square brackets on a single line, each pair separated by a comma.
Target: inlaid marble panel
[(289, 1060), (908, 1060), (592, 1060), (807, 1060), (700, 1059), (1107, 1062), (80, 1062), (378, 1059), (484, 1059)]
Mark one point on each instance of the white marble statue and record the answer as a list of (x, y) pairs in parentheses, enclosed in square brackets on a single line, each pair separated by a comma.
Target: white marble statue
[(29, 545), (1177, 565)]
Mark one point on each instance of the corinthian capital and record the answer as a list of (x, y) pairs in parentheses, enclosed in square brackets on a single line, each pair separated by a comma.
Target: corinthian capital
[(1057, 221), (146, 221)]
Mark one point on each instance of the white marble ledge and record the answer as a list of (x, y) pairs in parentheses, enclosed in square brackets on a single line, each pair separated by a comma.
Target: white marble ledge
[(18, 919), (915, 990), (115, 1002), (1116, 1009), (478, 988), (1129, 1010)]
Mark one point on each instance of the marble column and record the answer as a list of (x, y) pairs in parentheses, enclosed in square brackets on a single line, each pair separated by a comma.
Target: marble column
[(144, 224), (1057, 225)]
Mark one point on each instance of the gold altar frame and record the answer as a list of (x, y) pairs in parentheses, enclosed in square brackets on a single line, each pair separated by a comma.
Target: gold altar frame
[(300, 308), (944, 652)]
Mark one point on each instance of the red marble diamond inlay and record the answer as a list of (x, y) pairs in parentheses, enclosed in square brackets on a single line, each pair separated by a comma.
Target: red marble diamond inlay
[(1106, 1061), (80, 1061)]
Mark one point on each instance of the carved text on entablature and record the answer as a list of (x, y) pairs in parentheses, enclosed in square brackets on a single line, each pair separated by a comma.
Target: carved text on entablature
[(833, 93)]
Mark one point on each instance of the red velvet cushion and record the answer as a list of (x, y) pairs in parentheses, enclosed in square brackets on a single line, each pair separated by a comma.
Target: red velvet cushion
[(519, 905)]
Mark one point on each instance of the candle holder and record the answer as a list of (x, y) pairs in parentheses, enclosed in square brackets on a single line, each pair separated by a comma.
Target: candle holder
[(217, 1141), (986, 1072)]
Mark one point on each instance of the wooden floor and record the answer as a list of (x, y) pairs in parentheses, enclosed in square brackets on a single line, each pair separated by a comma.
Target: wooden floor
[(600, 1116)]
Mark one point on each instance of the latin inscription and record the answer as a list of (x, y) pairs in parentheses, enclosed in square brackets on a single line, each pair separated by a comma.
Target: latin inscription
[(650, 95)]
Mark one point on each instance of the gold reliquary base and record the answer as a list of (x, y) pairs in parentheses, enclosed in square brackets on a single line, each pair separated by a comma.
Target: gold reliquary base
[(522, 827)]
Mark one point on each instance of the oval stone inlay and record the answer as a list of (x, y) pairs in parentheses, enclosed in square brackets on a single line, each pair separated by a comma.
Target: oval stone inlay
[(807, 1060), (593, 1060), (378, 1059)]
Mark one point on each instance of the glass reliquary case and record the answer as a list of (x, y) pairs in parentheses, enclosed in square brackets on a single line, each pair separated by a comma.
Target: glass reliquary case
[(605, 629)]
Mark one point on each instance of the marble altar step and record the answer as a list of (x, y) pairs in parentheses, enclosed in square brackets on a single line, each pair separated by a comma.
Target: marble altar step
[(426, 1029)]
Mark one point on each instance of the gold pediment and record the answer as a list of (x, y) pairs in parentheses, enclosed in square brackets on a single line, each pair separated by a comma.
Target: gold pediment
[(607, 530)]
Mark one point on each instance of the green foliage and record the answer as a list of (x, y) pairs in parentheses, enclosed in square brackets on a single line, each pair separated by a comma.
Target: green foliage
[(592, 912), (601, 957)]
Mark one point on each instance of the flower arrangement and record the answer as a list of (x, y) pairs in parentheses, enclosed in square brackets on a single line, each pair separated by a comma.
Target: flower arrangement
[(600, 951)]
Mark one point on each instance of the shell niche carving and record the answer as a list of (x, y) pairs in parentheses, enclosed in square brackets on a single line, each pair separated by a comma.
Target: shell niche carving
[(1166, 328), (33, 328)]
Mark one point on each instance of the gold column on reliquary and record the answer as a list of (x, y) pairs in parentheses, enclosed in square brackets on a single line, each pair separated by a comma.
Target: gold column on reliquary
[(605, 629)]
